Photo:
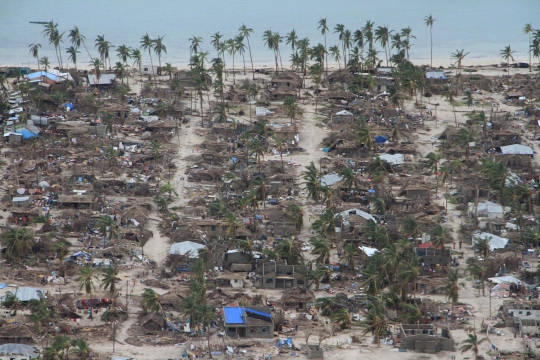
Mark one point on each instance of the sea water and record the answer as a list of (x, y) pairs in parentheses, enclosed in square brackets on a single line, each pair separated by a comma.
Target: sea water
[(481, 27)]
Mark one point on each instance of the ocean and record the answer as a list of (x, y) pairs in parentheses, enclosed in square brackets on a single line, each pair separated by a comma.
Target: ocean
[(480, 27)]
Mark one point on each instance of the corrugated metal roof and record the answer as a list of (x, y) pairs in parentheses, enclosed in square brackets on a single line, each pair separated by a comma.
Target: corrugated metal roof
[(27, 293), (19, 349), (21, 198), (233, 315)]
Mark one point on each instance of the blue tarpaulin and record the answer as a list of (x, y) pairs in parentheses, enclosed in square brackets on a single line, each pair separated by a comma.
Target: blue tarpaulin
[(257, 312), (26, 134), (233, 315), (380, 138), (68, 106)]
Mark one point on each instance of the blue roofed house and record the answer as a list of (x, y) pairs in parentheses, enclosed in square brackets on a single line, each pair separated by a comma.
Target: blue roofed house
[(48, 77), (248, 322)]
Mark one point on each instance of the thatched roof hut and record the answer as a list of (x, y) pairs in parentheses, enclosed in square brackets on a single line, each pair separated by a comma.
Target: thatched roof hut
[(152, 322), (16, 334), (297, 297)]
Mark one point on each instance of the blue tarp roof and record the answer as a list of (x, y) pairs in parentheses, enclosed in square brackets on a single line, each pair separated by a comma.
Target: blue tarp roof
[(233, 315), (260, 313), (26, 134)]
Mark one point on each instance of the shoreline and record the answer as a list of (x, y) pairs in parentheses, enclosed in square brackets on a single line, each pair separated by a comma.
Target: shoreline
[(437, 63)]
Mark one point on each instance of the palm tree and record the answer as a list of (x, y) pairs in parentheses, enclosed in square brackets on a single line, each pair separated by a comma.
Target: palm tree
[(375, 323), (17, 242), (342, 316), (113, 313), (312, 182), (124, 53), (528, 30), (350, 181), (297, 216), (406, 33), (321, 247), (195, 45), (459, 55), (270, 41), (411, 228), (241, 48), (77, 39), (324, 29), (81, 349), (532, 236), (340, 29), (51, 32), (316, 71), (466, 136), (246, 33), (378, 204), (159, 47), (136, 55), (231, 49), (291, 108), (106, 224), (382, 35), (315, 276), (12, 301), (103, 47), (110, 278), (440, 236), (451, 288), (34, 51), (409, 271), (189, 308), (429, 20), (479, 272), (471, 343), (247, 246), (482, 246), (432, 163), (535, 46), (326, 305), (448, 94), (506, 54), (335, 54), (86, 278), (412, 312), (44, 61), (148, 44), (151, 301), (349, 252), (291, 39), (72, 52), (289, 250)]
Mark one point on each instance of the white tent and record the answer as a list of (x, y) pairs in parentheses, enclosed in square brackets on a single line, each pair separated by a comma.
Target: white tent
[(506, 279), (188, 248), (395, 159), (495, 242), (517, 149), (368, 251)]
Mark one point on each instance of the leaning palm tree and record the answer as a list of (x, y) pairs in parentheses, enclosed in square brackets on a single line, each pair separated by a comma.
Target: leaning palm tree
[(326, 305), (448, 94), (34, 51), (289, 250), (482, 246), (466, 136), (151, 301), (81, 349), (44, 61), (136, 55), (297, 216), (429, 20), (507, 55), (72, 52), (109, 278), (413, 314), (321, 247), (335, 54), (77, 39), (471, 343), (343, 317)]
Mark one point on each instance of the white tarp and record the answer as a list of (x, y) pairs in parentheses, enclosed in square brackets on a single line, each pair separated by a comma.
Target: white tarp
[(344, 113), (495, 242), (506, 279), (261, 111), (395, 159), (330, 179), (188, 248), (368, 251), (517, 149)]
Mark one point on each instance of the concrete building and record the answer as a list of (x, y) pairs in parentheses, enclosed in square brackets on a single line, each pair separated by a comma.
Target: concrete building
[(315, 352), (248, 322), (278, 276), (425, 338), (520, 309)]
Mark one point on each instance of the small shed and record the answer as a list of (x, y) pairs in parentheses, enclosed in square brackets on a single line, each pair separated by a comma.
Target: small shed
[(152, 322), (315, 352), (22, 201), (297, 297)]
